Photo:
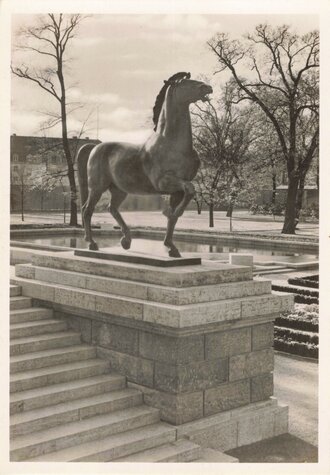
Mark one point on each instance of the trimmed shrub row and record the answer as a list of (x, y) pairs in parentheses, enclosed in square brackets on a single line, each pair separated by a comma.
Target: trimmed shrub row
[(311, 281), (289, 334), (300, 295), (307, 300), (294, 322), (309, 350)]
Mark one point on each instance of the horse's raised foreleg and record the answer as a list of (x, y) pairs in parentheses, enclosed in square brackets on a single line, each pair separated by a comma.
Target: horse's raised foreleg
[(189, 192), (171, 184), (117, 197), (87, 212), (181, 192), (175, 199)]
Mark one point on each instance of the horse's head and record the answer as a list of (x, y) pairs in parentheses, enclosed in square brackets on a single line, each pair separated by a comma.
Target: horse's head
[(183, 89), (187, 91)]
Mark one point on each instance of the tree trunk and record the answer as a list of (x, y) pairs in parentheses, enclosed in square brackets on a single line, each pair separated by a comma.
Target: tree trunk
[(274, 189), (67, 152), (199, 207), (22, 202), (73, 197), (211, 215), (300, 195), (230, 210), (289, 225)]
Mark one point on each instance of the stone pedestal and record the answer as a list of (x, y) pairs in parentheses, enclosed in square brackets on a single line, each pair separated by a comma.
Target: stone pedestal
[(238, 258), (196, 339)]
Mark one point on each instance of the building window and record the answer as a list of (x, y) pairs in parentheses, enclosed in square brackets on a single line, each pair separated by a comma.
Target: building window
[(15, 157)]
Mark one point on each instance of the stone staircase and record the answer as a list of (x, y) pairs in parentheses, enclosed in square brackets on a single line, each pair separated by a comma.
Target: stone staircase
[(66, 405)]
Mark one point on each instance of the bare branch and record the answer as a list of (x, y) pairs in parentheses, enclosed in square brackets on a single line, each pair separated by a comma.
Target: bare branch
[(41, 81)]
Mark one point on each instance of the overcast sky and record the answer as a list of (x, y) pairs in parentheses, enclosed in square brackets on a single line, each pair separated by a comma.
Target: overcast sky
[(119, 64)]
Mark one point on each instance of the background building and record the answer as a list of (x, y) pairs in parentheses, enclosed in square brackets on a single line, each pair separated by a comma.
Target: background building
[(38, 176)]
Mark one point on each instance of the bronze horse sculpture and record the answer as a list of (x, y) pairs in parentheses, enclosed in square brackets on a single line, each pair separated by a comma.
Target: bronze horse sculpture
[(165, 164)]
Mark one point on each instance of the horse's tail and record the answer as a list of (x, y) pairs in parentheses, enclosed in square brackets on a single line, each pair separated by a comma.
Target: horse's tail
[(81, 160)]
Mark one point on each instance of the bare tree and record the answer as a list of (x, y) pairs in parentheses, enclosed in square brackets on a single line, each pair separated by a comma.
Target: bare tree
[(223, 136), (46, 181), (283, 82), (50, 40)]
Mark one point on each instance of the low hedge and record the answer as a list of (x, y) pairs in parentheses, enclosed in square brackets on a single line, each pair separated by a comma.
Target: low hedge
[(310, 281), (300, 295), (289, 334), (309, 350), (296, 323), (307, 300)]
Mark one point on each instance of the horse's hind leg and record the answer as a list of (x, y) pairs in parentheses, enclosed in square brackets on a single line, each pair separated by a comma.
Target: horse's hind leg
[(87, 212), (117, 197)]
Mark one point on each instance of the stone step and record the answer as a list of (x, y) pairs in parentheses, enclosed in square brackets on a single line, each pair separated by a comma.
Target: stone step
[(56, 356), (214, 456), (178, 316), (19, 302), (38, 327), (15, 290), (79, 409), (112, 447), (62, 392), (185, 276), (67, 435), (30, 314), (61, 373), (174, 452), (47, 341), (140, 290)]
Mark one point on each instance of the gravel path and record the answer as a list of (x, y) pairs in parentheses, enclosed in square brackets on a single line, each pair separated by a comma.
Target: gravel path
[(296, 384)]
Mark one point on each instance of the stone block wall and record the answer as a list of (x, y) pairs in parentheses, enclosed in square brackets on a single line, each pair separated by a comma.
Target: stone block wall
[(188, 377)]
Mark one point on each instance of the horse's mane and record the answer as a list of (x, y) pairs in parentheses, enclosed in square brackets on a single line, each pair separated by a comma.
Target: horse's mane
[(161, 96)]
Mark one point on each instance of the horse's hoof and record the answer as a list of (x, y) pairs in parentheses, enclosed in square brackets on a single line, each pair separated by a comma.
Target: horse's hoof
[(125, 242), (174, 252), (93, 246)]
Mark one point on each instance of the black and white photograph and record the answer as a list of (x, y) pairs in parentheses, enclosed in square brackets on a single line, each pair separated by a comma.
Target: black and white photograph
[(164, 237)]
